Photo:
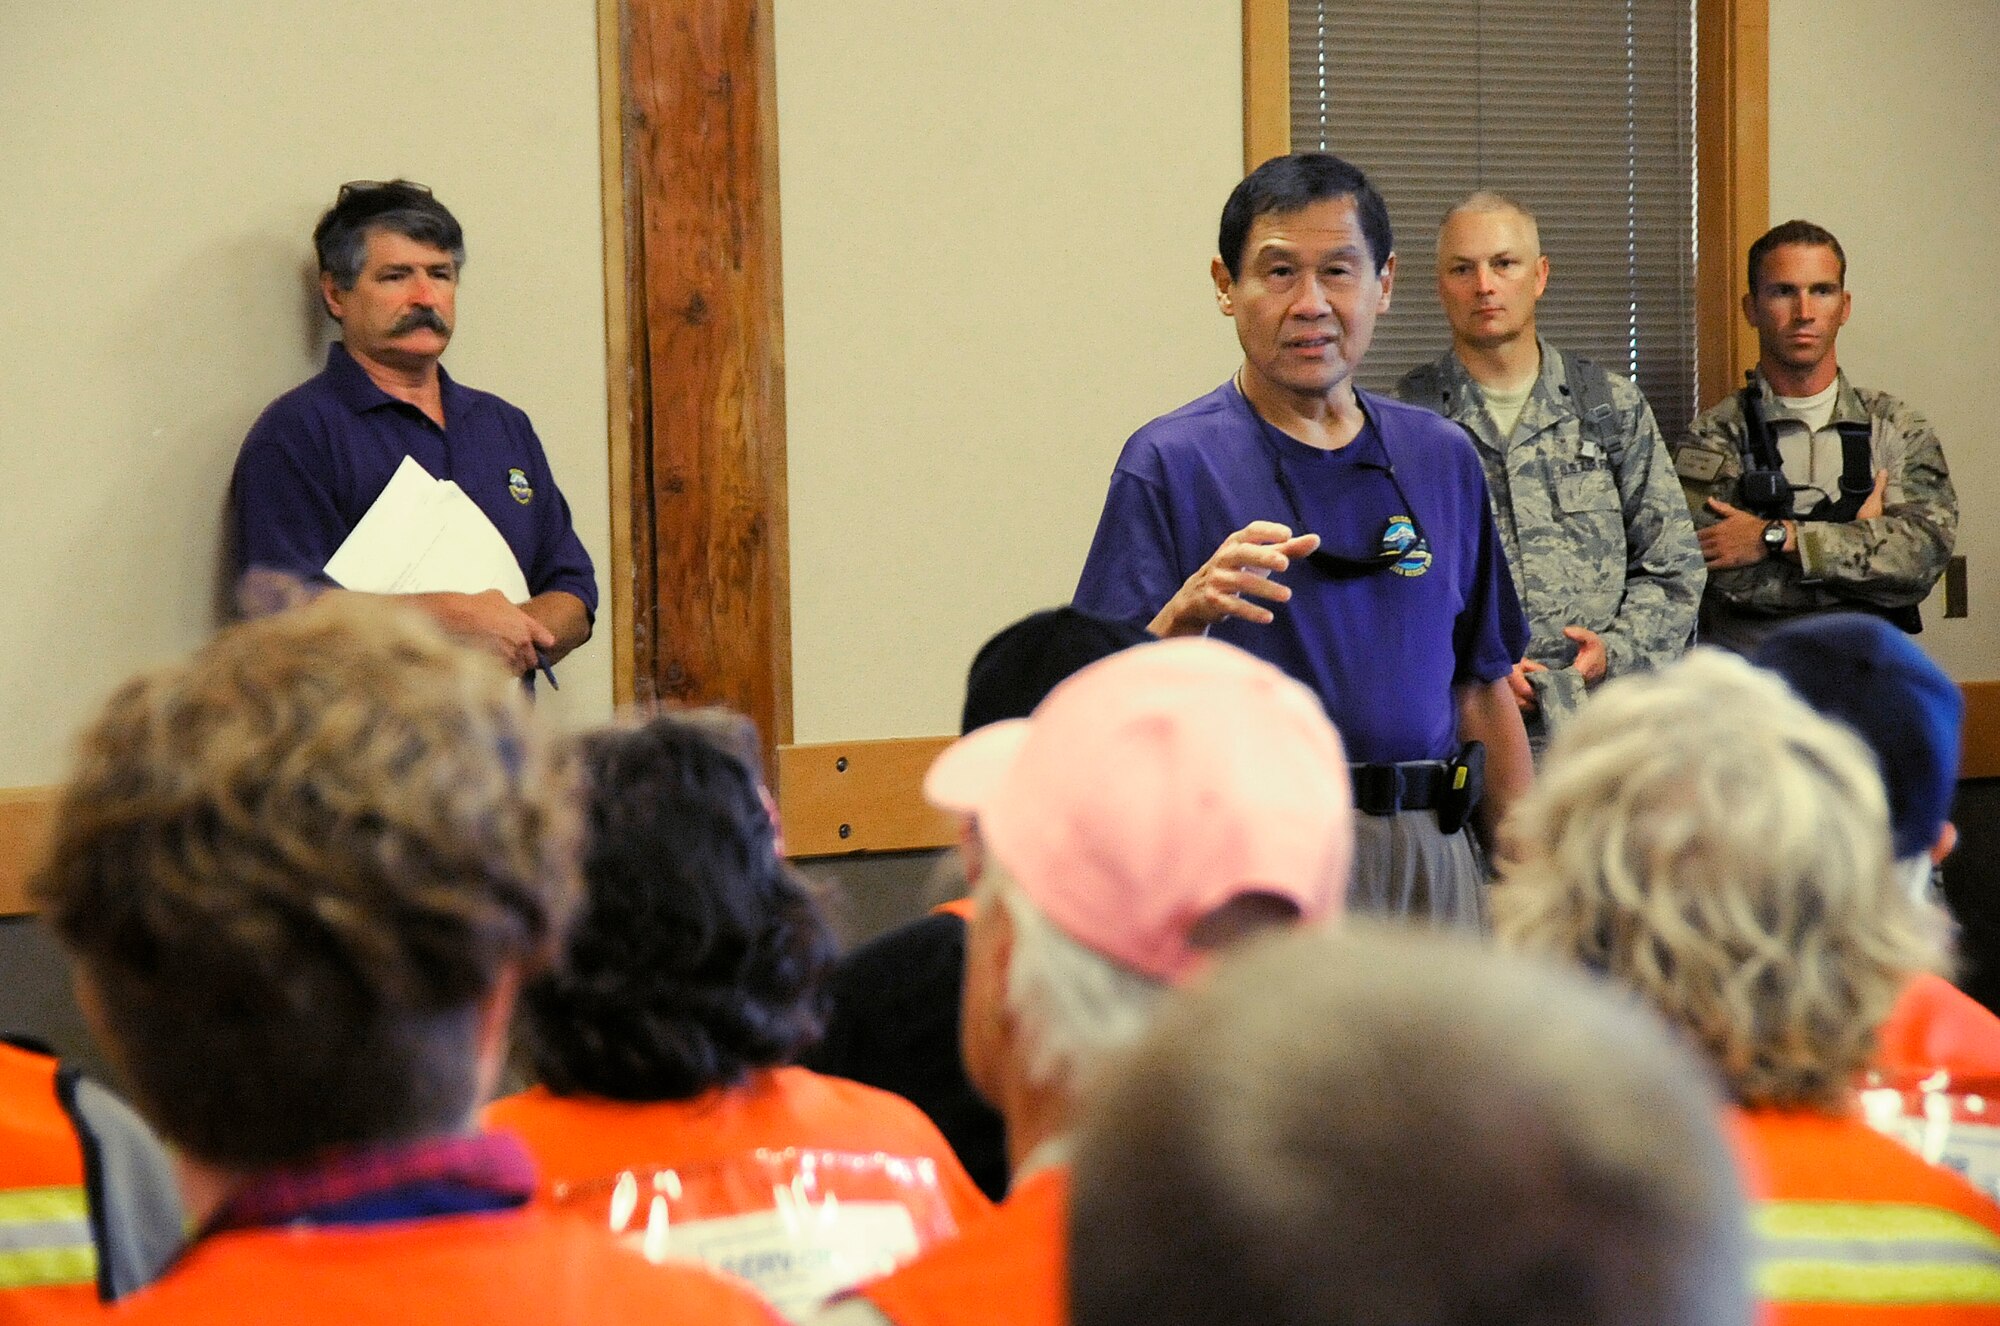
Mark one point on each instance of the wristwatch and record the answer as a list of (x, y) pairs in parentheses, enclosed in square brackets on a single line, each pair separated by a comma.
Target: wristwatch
[(1774, 537)]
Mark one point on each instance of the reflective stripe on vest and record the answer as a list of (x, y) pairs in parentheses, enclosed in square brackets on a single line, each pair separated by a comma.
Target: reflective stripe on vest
[(45, 1238), (1873, 1253)]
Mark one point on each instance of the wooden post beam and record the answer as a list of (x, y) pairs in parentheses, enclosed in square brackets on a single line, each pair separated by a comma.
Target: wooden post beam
[(711, 613)]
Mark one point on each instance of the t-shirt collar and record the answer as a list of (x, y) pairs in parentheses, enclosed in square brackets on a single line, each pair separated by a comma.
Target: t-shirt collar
[(489, 1171), (1368, 447)]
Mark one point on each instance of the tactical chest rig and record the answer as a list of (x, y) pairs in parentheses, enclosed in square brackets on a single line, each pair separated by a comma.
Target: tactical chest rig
[(1766, 491)]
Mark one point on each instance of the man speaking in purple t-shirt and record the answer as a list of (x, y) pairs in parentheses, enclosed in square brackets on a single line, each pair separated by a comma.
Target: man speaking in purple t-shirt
[(319, 456), (1342, 535)]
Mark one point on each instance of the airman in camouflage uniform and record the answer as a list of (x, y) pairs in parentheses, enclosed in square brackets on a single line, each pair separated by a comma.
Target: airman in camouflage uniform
[(1596, 533), (1764, 571)]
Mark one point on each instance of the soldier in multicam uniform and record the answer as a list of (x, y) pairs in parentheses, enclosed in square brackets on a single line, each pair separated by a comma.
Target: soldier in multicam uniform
[(1601, 546), (1844, 538)]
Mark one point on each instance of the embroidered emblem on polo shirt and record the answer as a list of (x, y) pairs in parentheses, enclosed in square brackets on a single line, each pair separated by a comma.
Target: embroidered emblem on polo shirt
[(517, 484), (1401, 536)]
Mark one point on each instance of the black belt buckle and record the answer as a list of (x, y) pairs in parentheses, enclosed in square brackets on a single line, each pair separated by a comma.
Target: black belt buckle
[(1385, 789), (1378, 788), (1464, 783)]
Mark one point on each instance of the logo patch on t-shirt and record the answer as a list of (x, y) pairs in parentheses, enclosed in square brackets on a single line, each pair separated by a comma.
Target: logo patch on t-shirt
[(1401, 536), (517, 484)]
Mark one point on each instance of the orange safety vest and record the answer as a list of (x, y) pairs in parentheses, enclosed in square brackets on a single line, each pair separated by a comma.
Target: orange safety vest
[(526, 1267), (1007, 1270), (48, 1260), (1936, 1025), (576, 1139), (1854, 1229)]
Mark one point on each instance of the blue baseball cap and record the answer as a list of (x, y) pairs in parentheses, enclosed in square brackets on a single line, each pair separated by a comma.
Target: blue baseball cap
[(1869, 675)]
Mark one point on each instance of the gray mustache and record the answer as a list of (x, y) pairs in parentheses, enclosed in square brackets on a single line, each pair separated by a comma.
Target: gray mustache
[(420, 317)]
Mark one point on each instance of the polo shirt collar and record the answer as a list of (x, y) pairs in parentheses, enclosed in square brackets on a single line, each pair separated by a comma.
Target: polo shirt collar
[(358, 392)]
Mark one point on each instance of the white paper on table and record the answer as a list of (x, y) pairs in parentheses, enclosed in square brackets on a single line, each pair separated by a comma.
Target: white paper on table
[(797, 1256), (423, 536)]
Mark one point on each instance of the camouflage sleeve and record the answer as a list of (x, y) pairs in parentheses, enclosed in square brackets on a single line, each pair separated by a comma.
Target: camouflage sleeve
[(1895, 558), (1663, 568), (1707, 461), (1709, 464)]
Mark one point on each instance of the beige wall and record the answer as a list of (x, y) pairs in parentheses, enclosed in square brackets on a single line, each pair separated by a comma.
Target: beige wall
[(996, 222), (1886, 130), (163, 166), (997, 225)]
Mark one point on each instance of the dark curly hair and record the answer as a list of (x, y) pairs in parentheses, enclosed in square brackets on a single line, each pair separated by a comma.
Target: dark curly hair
[(698, 954)]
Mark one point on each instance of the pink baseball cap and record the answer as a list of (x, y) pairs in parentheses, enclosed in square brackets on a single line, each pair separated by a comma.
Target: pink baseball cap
[(1155, 787)]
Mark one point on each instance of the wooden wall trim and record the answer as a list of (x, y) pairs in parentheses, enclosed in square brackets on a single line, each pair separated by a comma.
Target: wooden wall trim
[(879, 794), (1981, 756), (860, 796), (1267, 81), (1733, 164), (709, 534), (24, 829), (617, 334)]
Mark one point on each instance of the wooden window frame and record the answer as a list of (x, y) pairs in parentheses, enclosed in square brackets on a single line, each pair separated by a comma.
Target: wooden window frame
[(1732, 157)]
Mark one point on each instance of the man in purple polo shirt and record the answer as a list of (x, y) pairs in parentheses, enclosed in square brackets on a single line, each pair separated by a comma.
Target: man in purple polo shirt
[(319, 456), (1341, 535)]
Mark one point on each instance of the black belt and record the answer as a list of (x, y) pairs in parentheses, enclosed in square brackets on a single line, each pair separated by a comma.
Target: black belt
[(1384, 789)]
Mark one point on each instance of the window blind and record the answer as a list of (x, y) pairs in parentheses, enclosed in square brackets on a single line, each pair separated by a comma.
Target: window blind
[(1583, 111)]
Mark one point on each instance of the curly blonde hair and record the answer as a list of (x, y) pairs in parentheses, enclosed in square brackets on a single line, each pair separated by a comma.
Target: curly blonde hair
[(1704, 837), (292, 866)]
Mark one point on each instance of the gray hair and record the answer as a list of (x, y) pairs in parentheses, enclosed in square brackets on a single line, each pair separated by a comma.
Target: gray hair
[(1701, 835), (1372, 1125), (1076, 1008), (1490, 200), (366, 206)]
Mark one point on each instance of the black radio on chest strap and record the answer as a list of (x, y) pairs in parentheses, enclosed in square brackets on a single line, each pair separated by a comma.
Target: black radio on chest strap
[(1764, 488)]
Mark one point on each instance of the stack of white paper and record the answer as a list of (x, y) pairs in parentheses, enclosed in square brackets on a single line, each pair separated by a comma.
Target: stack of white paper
[(423, 536)]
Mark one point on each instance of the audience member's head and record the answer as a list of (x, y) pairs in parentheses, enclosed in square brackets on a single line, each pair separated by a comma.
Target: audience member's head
[(1157, 805), (1370, 1126), (365, 206), (1293, 183), (697, 955), (1015, 670), (1704, 837), (301, 873), (1863, 672), (896, 1000)]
